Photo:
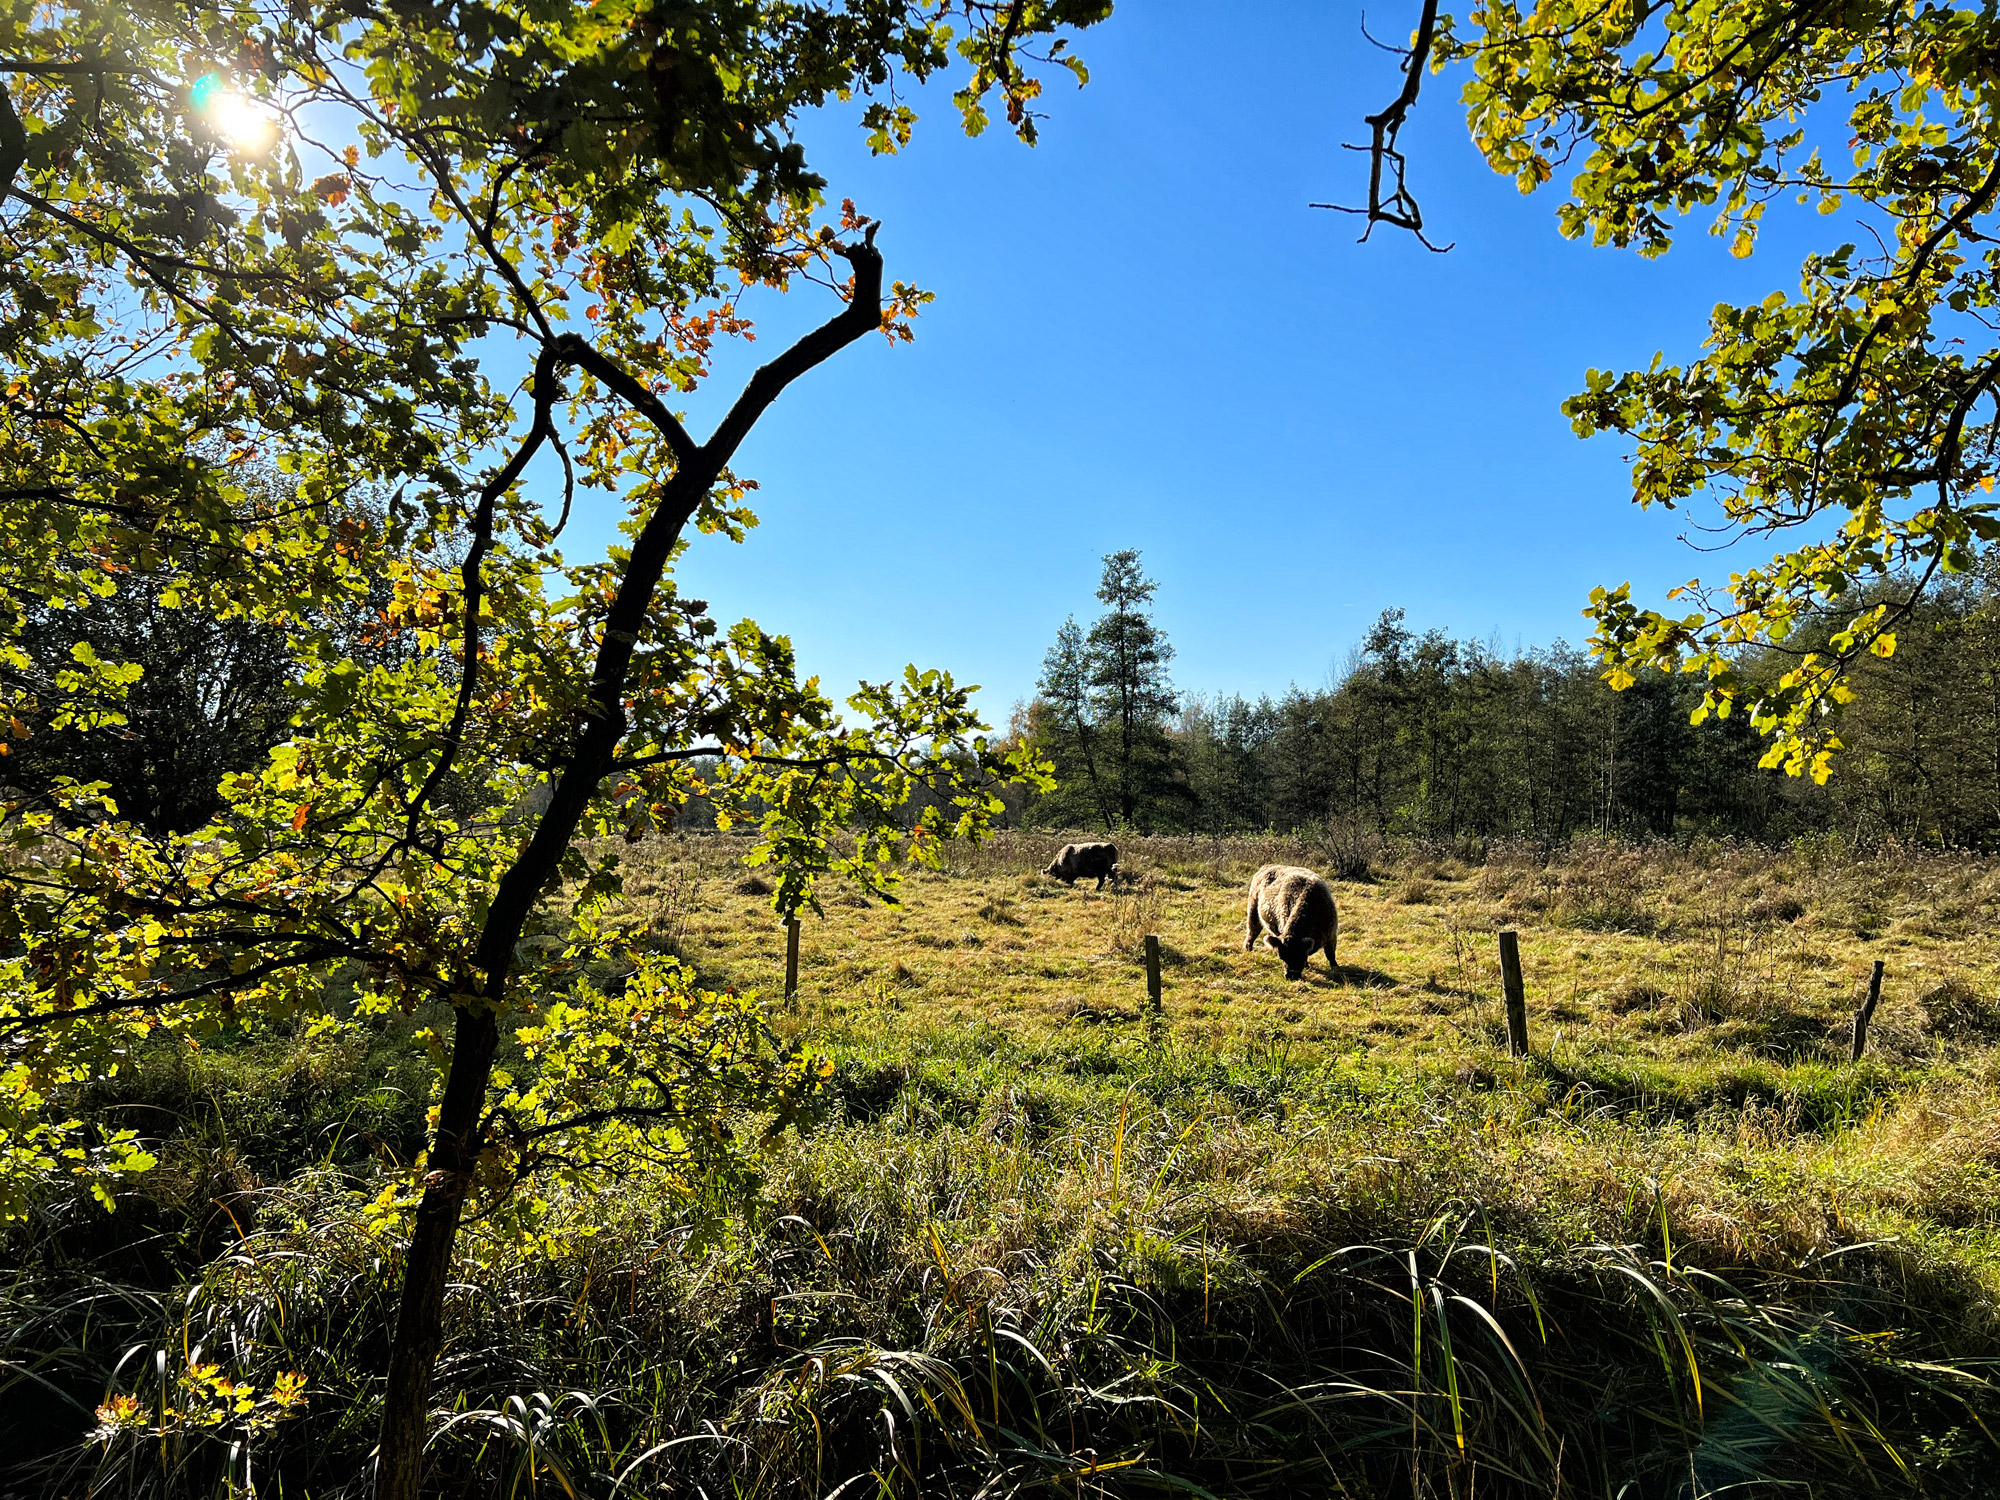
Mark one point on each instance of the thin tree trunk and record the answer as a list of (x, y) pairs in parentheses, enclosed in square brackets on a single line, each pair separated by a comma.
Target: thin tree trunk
[(420, 1314), (1127, 803), (427, 1265), (1090, 766), (1993, 738)]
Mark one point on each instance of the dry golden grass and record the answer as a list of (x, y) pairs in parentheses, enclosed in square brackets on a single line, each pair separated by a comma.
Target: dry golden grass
[(1664, 957), (1690, 1015)]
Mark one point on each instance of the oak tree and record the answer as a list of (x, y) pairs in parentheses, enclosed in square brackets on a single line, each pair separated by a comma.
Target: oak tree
[(466, 259)]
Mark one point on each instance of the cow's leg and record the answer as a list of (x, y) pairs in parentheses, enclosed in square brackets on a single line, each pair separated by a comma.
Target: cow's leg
[(1251, 926)]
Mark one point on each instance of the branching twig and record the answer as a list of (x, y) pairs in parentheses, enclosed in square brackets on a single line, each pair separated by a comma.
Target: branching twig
[(482, 539), (577, 351), (313, 952), (1399, 208)]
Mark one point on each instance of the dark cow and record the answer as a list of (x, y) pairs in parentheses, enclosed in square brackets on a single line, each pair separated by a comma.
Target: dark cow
[(1081, 861), (1293, 909)]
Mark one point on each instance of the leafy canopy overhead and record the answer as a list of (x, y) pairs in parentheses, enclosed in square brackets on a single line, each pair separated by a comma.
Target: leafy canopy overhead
[(1852, 421), (443, 271)]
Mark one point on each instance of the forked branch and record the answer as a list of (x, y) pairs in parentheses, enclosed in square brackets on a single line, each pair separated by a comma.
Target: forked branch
[(594, 750), (861, 316), (1389, 198)]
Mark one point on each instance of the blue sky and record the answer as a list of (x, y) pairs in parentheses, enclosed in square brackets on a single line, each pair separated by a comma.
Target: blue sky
[(1143, 337)]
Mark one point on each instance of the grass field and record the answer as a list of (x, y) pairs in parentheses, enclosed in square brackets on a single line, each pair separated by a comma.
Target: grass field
[(1710, 990), (1321, 1237), (1660, 958)]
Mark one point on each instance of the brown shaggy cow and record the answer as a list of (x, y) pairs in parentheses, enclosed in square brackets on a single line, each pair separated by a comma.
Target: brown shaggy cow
[(1293, 909), (1081, 861)]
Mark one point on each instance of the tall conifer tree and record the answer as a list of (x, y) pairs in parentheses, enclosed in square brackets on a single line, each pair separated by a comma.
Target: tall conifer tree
[(1068, 736), (1130, 688)]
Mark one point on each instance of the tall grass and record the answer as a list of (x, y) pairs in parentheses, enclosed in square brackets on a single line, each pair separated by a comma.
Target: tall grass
[(1105, 1257), (1252, 1281)]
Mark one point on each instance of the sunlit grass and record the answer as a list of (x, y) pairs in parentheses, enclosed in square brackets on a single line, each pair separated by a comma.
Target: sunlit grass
[(1321, 1237)]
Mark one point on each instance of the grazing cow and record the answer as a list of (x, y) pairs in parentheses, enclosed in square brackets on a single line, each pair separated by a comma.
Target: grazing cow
[(1293, 909), (1081, 861)]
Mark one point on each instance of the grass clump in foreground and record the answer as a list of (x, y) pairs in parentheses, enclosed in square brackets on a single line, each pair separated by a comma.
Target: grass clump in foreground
[(1312, 1238)]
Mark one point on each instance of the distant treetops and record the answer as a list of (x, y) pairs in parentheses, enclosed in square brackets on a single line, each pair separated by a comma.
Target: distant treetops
[(1104, 703), (1424, 735)]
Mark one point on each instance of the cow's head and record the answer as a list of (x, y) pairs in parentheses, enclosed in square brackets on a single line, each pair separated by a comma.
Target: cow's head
[(1054, 867), (1294, 951)]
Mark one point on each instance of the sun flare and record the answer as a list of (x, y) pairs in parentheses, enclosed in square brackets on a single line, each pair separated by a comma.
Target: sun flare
[(241, 121)]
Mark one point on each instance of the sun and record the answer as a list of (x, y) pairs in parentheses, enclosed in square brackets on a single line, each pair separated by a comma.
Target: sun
[(245, 124)]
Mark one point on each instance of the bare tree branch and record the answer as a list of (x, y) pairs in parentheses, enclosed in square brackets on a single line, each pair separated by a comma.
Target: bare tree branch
[(1399, 208), (862, 315)]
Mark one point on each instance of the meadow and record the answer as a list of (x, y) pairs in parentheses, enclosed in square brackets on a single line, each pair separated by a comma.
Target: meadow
[(1322, 1237)]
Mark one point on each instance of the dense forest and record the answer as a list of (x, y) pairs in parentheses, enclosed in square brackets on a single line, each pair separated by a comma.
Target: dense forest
[(1419, 734), (1426, 735)]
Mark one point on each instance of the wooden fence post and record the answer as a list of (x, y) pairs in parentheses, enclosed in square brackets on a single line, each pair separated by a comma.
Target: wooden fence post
[(1516, 993), (1153, 1002), (791, 958), (1866, 1012)]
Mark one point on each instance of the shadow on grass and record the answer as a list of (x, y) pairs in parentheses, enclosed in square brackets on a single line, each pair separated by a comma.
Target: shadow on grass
[(1360, 976)]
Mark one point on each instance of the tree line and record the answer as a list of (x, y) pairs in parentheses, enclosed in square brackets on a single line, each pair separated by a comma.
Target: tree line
[(1425, 735)]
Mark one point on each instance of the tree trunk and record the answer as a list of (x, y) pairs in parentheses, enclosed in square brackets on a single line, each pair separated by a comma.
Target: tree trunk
[(455, 1154), (420, 1316), (427, 1267), (1125, 799), (1090, 765)]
